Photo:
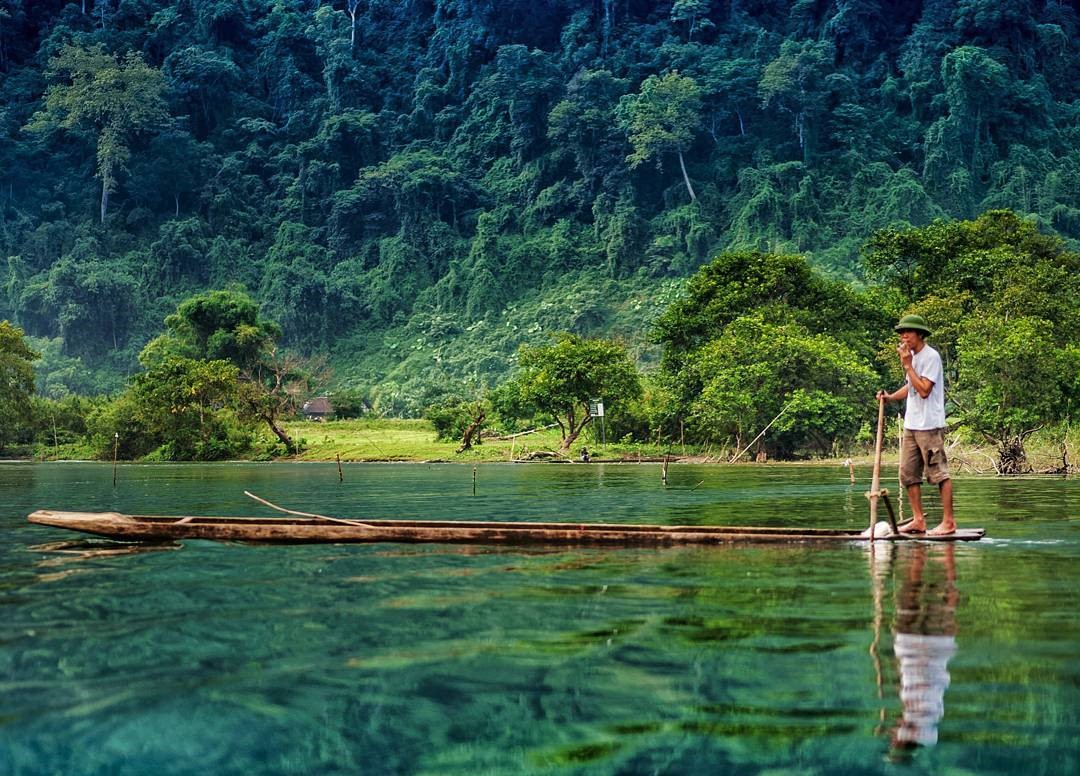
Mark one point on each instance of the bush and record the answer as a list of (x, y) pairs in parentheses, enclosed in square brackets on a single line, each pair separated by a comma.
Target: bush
[(452, 416)]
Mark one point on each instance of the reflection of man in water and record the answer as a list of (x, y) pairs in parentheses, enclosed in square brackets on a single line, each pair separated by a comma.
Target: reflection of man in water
[(924, 639)]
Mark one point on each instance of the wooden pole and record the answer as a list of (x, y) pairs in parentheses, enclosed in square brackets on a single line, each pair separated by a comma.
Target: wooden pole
[(340, 474), (251, 495), (474, 480), (115, 453), (663, 471), (875, 482)]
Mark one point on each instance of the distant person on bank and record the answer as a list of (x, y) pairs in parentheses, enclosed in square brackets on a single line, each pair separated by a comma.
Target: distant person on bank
[(924, 424)]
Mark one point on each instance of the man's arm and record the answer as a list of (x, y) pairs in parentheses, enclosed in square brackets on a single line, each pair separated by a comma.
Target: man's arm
[(922, 385), (896, 395)]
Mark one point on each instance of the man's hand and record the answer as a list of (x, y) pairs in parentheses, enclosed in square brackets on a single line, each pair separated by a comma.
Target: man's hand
[(882, 396), (905, 355)]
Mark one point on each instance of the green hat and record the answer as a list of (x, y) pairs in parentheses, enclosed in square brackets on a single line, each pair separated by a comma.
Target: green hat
[(914, 323)]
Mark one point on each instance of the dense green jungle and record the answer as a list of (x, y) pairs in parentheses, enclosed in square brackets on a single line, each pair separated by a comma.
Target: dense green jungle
[(413, 190)]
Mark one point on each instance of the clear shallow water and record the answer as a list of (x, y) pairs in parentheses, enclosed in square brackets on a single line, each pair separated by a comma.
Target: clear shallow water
[(209, 658)]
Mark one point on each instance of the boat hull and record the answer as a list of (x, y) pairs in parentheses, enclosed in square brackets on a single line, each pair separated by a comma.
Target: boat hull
[(149, 528)]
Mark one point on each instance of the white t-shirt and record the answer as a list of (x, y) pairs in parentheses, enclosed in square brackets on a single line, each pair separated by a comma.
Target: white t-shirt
[(929, 413)]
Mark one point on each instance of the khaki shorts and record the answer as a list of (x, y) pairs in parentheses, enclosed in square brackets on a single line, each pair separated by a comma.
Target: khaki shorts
[(923, 450)]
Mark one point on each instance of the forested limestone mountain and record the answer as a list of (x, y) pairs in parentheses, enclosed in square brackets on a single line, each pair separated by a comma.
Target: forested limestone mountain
[(416, 187)]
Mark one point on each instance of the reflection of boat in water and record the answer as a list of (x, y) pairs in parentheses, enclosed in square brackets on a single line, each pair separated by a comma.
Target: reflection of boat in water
[(75, 557), (924, 640), (319, 529)]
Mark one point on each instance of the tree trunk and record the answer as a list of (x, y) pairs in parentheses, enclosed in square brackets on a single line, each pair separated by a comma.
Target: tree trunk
[(466, 438), (686, 178), (104, 197), (608, 23), (279, 432), (351, 8), (575, 432)]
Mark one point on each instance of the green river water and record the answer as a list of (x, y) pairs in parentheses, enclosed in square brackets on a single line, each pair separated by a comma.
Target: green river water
[(213, 658)]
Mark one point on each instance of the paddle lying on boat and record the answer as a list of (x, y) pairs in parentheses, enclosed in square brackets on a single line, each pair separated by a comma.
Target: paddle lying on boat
[(302, 530)]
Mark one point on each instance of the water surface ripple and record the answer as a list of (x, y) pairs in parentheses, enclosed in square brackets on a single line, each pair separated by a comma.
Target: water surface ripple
[(212, 658)]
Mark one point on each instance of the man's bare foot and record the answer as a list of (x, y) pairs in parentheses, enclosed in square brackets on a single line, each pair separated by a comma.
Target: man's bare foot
[(945, 529), (914, 525)]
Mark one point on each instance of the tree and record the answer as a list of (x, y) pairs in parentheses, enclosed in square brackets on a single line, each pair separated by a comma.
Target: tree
[(226, 326), (692, 13), (187, 407), (758, 369), (737, 282), (662, 118), (562, 378), (111, 98), (352, 7), (1013, 379), (795, 82), (960, 147), (473, 156), (203, 77), (585, 121), (949, 256), (217, 325), (276, 385), (16, 380), (88, 301), (457, 418)]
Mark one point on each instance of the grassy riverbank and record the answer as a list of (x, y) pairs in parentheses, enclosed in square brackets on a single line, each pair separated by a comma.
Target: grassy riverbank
[(385, 439), (381, 439), (414, 440)]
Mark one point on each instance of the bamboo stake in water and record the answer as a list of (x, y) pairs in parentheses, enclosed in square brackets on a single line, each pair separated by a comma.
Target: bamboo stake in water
[(115, 453), (340, 475), (474, 480)]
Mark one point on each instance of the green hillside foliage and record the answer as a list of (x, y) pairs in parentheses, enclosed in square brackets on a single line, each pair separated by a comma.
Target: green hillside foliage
[(16, 381), (418, 188)]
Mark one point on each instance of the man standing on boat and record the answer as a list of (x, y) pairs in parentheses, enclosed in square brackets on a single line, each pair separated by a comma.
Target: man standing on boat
[(923, 447)]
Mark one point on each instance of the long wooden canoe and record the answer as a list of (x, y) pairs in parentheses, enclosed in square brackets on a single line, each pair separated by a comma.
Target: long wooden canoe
[(294, 530)]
